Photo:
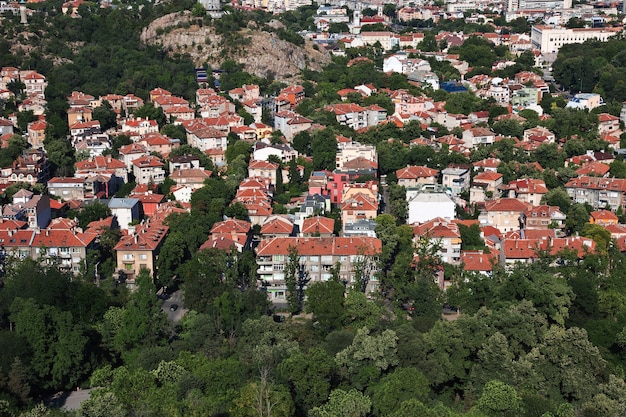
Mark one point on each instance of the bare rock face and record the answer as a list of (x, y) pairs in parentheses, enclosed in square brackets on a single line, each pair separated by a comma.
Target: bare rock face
[(261, 53)]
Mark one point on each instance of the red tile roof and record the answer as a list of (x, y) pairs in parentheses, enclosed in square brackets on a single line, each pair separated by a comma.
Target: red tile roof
[(416, 171), (318, 224), (320, 246)]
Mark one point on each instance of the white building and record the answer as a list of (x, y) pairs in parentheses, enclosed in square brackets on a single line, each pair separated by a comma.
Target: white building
[(549, 39), (426, 206)]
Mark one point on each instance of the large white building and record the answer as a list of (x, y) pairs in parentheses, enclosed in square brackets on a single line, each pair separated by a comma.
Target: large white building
[(549, 39), (514, 5)]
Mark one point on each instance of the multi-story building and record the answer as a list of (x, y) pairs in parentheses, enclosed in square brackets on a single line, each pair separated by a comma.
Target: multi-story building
[(503, 214), (456, 179), (413, 176), (597, 191), (139, 250), (148, 169), (549, 39), (317, 256), (446, 233)]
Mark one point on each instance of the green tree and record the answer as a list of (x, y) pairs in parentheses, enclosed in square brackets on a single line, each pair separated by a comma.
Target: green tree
[(324, 146), (309, 375), (499, 399), (400, 385), (325, 299), (295, 281), (342, 403), (363, 362), (105, 115), (101, 403), (143, 321), (58, 345)]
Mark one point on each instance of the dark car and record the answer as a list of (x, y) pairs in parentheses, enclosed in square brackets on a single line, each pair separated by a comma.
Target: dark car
[(173, 307)]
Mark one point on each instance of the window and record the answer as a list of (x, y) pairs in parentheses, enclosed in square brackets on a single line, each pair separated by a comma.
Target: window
[(315, 268), (314, 258), (64, 250), (128, 256), (279, 267), (278, 258), (143, 256)]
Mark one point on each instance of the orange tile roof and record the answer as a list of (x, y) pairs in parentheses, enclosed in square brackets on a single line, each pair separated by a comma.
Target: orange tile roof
[(277, 225), (230, 226), (320, 246), (318, 224), (416, 171), (506, 204)]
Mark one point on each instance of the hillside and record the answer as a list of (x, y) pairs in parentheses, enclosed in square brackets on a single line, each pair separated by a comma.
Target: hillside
[(261, 53)]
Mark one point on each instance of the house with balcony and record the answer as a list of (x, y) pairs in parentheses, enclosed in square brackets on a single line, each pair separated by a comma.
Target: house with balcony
[(291, 123), (148, 169), (67, 188), (446, 233), (139, 249), (543, 217), (528, 190), (505, 214), (456, 178), (65, 247), (317, 257), (415, 175), (598, 192), (478, 136)]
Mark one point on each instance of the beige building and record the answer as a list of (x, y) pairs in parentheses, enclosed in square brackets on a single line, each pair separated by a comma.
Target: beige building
[(139, 249), (317, 258), (504, 214)]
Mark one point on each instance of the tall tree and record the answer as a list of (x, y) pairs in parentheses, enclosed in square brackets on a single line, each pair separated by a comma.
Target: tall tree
[(143, 321)]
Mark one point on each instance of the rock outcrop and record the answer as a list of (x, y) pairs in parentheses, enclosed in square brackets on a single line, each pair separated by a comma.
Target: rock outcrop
[(261, 53)]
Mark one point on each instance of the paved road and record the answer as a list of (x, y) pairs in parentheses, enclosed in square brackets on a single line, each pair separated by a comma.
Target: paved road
[(176, 315), (75, 398)]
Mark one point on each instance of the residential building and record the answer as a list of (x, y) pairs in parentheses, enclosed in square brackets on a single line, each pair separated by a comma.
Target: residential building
[(429, 202), (415, 175), (478, 136), (317, 257), (139, 249), (543, 217), (549, 39), (126, 210), (527, 190), (37, 133), (446, 233), (318, 226), (291, 123), (456, 179), (504, 214), (585, 101), (67, 188), (65, 247), (194, 178), (357, 207), (603, 218), (277, 225), (597, 191), (148, 169)]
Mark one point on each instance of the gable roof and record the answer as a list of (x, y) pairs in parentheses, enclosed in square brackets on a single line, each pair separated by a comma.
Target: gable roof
[(318, 224)]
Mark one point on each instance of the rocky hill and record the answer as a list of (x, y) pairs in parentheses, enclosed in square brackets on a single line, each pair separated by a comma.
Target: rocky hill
[(262, 53)]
